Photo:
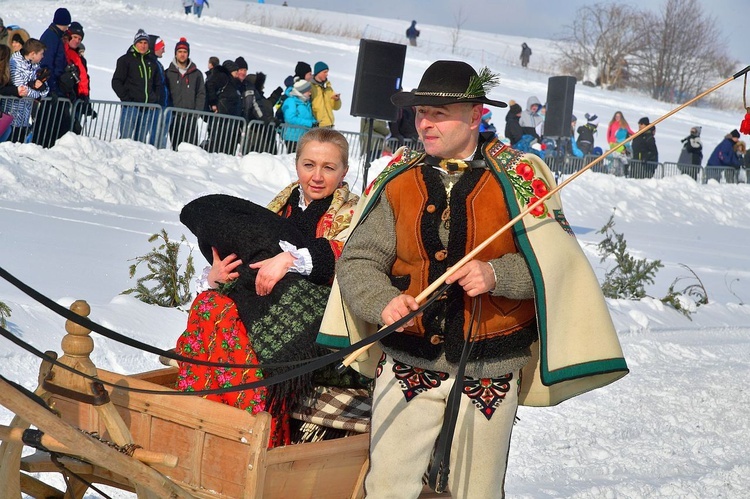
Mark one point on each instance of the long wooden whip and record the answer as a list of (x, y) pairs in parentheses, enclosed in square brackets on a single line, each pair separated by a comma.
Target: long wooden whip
[(469, 256)]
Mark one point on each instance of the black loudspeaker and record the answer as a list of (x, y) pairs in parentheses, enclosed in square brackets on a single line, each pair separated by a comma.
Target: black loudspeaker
[(380, 68), (560, 93)]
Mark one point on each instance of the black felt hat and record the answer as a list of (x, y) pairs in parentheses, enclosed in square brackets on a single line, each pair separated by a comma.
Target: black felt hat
[(449, 82)]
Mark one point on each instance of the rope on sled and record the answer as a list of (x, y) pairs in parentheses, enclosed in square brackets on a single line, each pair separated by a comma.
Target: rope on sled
[(306, 367)]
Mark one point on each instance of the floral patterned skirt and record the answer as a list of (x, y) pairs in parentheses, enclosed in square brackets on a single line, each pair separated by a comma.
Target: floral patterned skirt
[(215, 332)]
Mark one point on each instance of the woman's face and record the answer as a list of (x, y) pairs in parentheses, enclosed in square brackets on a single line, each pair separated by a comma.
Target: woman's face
[(320, 170), (618, 117), (15, 46)]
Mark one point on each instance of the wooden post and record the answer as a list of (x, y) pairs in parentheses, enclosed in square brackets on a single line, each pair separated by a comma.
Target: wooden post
[(10, 451)]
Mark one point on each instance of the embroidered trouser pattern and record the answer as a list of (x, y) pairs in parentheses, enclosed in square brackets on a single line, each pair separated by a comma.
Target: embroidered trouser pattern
[(408, 408)]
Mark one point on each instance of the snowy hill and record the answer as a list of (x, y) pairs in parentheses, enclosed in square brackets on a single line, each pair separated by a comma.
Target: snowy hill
[(72, 218)]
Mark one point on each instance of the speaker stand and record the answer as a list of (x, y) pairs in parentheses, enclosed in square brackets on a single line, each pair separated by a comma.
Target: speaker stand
[(368, 144)]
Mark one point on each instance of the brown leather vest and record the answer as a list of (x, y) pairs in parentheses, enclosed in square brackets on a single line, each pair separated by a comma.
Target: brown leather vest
[(418, 199)]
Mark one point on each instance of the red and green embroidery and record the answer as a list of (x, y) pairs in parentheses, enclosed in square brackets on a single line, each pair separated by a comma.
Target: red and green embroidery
[(528, 188)]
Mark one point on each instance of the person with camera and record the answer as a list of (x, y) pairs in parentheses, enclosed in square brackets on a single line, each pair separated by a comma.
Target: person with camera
[(74, 83), (25, 71)]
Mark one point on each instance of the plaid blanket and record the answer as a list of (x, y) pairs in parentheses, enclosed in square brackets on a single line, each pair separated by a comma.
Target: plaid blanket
[(333, 407)]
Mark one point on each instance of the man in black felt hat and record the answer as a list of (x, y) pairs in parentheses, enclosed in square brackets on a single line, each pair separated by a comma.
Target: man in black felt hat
[(419, 218)]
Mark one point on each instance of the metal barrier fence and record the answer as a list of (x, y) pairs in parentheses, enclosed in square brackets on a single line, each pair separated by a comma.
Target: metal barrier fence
[(619, 165), (44, 121)]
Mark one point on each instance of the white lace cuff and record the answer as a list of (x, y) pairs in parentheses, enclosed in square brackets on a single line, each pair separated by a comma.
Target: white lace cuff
[(201, 282), (302, 258)]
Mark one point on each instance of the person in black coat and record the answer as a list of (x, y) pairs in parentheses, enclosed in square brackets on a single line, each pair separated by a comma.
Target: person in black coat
[(585, 141), (224, 98), (53, 118), (403, 128), (262, 137), (644, 149), (513, 129), (136, 79)]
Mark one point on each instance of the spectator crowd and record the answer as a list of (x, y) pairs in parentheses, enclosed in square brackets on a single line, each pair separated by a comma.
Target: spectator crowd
[(41, 71)]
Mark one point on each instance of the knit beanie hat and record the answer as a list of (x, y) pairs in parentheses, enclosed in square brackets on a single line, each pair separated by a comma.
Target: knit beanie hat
[(182, 44), (302, 86), (230, 65), (301, 69), (573, 118), (75, 28), (159, 44), (734, 133), (592, 119), (241, 62), (62, 17), (320, 66), (486, 114), (141, 35), (644, 121)]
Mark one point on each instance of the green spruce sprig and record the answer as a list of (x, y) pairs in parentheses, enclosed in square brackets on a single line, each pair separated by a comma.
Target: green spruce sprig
[(481, 84), (4, 312), (164, 285)]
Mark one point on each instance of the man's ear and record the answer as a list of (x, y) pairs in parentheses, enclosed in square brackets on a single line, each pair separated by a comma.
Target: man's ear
[(476, 115)]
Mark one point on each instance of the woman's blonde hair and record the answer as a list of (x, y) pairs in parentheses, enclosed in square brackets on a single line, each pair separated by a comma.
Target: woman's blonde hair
[(325, 135)]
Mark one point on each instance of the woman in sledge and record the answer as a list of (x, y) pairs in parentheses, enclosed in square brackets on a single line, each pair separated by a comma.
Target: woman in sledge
[(269, 281)]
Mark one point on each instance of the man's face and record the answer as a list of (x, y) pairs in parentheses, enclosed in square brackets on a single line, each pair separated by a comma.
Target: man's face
[(36, 57), (449, 131), (141, 46), (159, 52), (322, 76), (181, 55), (242, 74), (75, 41)]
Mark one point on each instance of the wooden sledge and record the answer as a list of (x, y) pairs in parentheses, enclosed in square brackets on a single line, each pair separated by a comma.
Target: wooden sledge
[(187, 446)]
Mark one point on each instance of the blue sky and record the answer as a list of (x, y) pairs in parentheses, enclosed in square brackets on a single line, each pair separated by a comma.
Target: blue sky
[(537, 19)]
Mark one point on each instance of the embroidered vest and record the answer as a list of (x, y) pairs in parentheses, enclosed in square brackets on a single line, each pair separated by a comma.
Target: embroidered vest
[(420, 204)]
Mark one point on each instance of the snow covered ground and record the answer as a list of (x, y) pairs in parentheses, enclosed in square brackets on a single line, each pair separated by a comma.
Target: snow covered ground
[(72, 218)]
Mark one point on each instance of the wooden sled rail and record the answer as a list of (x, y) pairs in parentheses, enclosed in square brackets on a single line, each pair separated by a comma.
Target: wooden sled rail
[(194, 447)]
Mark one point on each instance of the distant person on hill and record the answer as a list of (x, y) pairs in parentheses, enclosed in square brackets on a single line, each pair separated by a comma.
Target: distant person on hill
[(198, 7), (325, 100), (513, 130), (644, 149), (412, 33), (187, 5), (525, 54)]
